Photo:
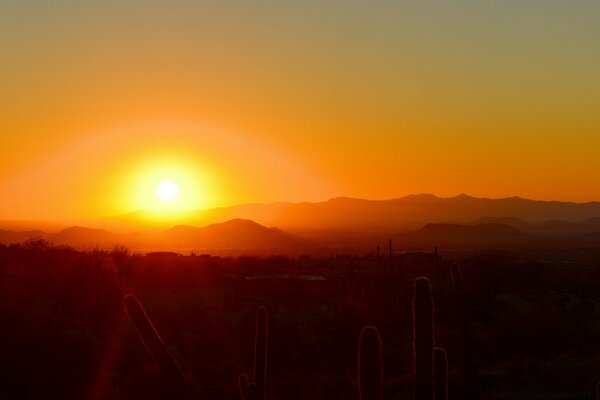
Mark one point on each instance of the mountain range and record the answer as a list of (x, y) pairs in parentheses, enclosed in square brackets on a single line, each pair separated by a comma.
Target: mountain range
[(415, 221), (406, 213)]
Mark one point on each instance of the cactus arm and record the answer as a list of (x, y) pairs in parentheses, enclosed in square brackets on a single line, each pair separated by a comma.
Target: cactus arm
[(440, 373), (155, 345)]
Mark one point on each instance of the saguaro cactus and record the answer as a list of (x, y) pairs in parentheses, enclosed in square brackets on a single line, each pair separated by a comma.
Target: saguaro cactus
[(440, 373), (255, 389), (370, 366), (423, 339), (155, 345), (456, 274)]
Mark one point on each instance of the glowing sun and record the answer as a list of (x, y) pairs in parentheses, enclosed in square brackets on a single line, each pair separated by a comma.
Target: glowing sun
[(167, 190)]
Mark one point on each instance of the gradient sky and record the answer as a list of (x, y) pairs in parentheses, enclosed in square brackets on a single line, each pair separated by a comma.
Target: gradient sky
[(262, 101)]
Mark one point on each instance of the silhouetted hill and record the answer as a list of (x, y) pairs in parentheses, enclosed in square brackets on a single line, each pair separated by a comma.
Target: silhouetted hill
[(236, 233), (463, 236), (559, 226), (511, 221), (593, 224), (78, 236), (470, 230), (552, 226)]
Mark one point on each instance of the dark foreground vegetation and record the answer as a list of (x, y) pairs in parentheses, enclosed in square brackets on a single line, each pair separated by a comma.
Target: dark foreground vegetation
[(508, 325)]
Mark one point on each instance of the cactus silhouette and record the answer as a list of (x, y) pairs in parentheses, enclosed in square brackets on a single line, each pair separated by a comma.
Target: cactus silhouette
[(456, 274), (370, 367), (440, 373), (430, 363), (155, 345), (423, 339), (255, 390)]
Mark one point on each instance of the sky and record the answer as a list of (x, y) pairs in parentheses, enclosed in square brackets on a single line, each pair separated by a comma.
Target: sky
[(266, 101)]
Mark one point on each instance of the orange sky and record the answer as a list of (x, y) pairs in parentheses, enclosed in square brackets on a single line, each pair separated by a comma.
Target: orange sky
[(272, 101)]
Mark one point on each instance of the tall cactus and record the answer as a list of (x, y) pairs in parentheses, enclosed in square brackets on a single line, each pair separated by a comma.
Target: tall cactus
[(456, 275), (155, 345), (370, 366), (423, 339), (255, 390), (440, 373)]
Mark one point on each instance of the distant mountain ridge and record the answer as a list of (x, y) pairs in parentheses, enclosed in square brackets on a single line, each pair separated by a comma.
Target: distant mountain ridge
[(351, 214), (511, 221), (549, 226), (499, 230)]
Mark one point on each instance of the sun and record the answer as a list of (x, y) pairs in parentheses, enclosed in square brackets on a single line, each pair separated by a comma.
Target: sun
[(167, 190), (166, 186)]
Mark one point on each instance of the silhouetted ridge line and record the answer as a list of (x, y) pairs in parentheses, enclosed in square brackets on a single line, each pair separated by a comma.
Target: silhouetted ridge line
[(479, 229)]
